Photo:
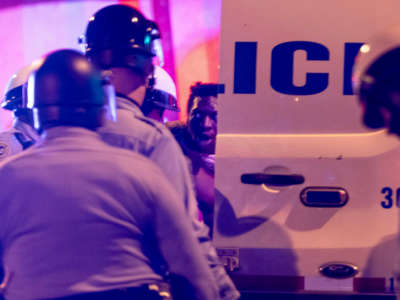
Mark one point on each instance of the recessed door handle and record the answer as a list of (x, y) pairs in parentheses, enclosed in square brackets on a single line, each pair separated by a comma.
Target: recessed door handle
[(272, 179)]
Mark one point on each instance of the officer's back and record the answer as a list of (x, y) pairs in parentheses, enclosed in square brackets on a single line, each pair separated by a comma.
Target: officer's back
[(83, 219)]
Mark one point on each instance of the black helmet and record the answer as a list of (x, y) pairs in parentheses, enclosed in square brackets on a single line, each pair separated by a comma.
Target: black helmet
[(121, 29), (13, 95), (65, 89), (376, 73), (12, 99)]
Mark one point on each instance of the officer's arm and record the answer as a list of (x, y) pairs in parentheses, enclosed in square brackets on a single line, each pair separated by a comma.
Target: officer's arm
[(170, 158), (191, 275)]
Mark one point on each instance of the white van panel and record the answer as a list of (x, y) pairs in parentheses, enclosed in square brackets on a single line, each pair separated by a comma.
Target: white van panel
[(265, 127)]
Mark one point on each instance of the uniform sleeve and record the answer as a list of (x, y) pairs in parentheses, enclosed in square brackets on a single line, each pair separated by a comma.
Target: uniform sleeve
[(178, 244), (170, 158)]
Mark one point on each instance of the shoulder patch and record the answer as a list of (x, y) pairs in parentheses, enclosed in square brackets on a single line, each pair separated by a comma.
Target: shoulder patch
[(4, 150)]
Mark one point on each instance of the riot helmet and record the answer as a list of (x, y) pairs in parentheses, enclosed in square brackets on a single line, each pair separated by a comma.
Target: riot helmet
[(376, 80), (65, 89), (162, 95), (115, 33), (13, 95)]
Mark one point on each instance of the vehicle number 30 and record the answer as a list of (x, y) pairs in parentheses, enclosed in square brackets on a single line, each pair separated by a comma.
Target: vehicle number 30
[(391, 197)]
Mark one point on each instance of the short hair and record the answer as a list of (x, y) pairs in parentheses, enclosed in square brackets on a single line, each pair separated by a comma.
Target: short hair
[(200, 89)]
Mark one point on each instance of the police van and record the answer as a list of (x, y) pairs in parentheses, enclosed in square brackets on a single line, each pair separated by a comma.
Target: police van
[(306, 198)]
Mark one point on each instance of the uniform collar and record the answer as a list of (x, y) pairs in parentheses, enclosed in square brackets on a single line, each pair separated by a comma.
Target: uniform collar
[(67, 131)]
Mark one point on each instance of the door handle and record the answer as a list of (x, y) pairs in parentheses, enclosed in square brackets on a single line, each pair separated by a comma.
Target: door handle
[(272, 179)]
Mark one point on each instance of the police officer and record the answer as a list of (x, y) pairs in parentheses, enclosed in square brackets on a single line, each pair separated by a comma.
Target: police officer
[(376, 81), (122, 42), (21, 135), (87, 220), (161, 97), (197, 139)]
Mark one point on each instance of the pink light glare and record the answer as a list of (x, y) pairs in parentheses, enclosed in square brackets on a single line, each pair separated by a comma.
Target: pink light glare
[(31, 30), (12, 53), (196, 28)]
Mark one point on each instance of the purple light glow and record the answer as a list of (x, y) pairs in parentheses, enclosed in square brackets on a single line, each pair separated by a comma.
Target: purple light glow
[(33, 28), (29, 31)]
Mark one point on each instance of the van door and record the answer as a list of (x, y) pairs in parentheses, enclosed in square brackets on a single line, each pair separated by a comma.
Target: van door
[(306, 198)]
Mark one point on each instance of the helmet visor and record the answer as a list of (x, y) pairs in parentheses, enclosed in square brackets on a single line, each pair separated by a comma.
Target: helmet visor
[(110, 102)]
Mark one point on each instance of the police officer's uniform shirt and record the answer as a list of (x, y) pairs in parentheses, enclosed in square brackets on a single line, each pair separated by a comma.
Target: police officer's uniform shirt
[(78, 215), (16, 139), (152, 139)]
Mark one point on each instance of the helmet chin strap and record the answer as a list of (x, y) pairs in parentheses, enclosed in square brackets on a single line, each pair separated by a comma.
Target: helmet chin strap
[(152, 81)]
